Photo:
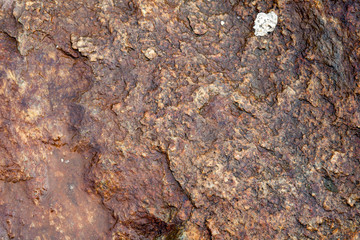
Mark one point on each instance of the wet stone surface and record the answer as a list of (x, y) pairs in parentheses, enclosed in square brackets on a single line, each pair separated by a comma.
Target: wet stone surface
[(171, 119)]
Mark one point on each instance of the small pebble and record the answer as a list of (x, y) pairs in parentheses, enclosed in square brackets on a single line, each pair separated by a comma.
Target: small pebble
[(150, 53)]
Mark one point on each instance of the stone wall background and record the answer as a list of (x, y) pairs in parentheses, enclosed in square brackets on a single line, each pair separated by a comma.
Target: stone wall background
[(170, 119)]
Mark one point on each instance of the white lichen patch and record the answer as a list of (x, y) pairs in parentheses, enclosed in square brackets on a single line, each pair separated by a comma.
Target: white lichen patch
[(265, 23)]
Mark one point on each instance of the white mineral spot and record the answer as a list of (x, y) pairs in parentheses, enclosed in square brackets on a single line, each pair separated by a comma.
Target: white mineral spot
[(62, 160), (222, 23), (67, 161), (265, 23)]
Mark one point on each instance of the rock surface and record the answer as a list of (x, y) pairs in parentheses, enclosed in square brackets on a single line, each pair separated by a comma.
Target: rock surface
[(170, 119)]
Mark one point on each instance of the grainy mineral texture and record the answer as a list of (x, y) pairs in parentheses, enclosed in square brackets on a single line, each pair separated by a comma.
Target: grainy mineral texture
[(170, 119)]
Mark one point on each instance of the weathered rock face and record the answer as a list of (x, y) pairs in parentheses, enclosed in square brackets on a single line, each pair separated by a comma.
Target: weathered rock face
[(170, 119)]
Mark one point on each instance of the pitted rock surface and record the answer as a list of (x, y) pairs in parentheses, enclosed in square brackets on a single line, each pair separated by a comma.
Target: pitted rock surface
[(170, 119)]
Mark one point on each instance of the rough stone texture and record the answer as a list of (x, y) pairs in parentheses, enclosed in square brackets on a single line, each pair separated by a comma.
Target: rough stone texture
[(170, 119)]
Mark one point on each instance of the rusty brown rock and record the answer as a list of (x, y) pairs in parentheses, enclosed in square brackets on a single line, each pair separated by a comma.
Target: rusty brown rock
[(129, 119)]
